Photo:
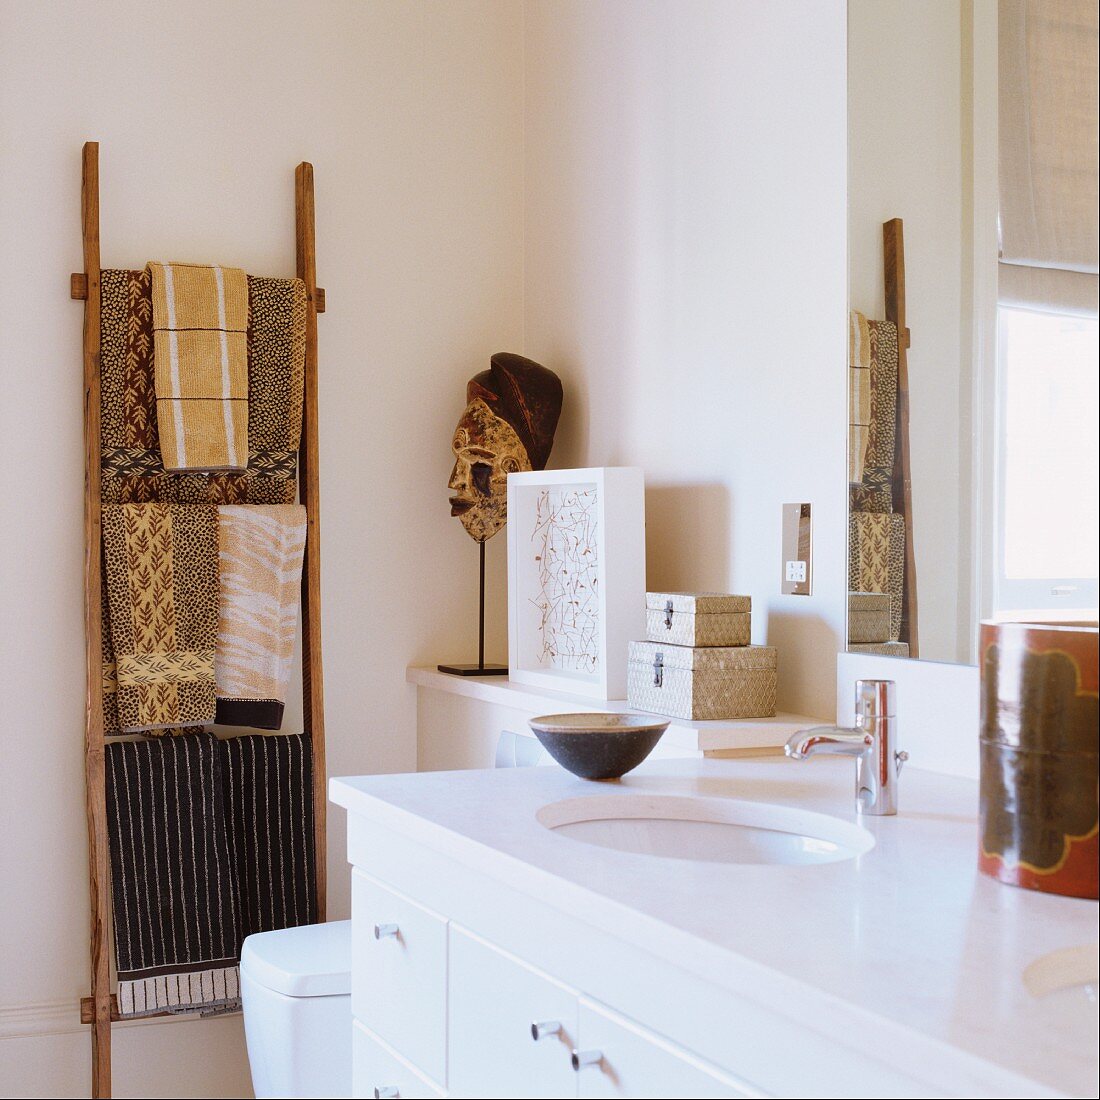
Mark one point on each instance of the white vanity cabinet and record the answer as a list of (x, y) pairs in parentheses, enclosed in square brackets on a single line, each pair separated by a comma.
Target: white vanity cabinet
[(511, 1029), (440, 1011), (399, 974), (379, 1071), (635, 1062), (514, 1031)]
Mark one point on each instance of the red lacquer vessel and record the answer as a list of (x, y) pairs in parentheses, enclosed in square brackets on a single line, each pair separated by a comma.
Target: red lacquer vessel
[(1039, 756)]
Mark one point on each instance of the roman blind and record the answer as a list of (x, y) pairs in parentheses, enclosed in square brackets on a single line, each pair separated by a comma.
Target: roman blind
[(1048, 155)]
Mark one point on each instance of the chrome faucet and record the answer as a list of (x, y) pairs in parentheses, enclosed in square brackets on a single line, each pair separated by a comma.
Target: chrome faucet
[(871, 741)]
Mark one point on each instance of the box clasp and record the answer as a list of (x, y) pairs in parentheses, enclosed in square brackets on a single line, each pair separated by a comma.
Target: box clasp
[(668, 615), (659, 670)]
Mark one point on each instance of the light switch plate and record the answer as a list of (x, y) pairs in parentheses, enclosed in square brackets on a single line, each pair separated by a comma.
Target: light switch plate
[(797, 566)]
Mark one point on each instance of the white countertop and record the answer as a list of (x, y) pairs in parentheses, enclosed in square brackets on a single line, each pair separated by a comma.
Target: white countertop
[(909, 934)]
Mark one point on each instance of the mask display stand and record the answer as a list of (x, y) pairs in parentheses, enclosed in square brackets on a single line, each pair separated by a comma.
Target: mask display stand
[(481, 668)]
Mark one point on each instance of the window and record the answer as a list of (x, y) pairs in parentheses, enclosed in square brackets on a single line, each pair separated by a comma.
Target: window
[(1048, 466)]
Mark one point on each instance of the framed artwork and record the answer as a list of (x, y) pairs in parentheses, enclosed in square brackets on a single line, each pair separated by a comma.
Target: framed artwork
[(576, 577)]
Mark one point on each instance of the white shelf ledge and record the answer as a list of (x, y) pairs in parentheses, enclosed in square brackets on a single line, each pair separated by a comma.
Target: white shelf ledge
[(735, 735)]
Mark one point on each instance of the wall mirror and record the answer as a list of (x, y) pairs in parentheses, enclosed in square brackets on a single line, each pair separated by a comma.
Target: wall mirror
[(972, 229)]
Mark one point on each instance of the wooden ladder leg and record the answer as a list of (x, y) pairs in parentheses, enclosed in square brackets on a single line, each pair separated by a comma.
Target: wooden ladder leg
[(94, 761), (312, 687), (893, 256)]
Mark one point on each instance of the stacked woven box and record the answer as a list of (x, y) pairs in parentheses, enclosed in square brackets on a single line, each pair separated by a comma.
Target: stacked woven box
[(870, 619), (697, 662)]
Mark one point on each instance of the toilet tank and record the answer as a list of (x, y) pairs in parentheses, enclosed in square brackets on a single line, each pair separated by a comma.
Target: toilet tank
[(296, 993)]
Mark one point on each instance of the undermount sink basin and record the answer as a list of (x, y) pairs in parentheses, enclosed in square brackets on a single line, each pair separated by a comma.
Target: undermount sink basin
[(709, 830)]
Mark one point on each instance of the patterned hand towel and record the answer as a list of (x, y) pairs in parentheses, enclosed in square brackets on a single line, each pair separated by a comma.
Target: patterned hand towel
[(859, 394), (160, 567), (878, 467), (200, 321), (268, 792), (132, 467), (895, 584), (176, 917), (876, 559), (260, 550)]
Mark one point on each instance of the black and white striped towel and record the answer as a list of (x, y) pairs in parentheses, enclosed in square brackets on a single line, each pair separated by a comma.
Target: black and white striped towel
[(268, 785), (175, 910), (210, 841)]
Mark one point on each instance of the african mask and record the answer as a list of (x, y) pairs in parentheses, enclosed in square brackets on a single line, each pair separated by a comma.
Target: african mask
[(508, 425)]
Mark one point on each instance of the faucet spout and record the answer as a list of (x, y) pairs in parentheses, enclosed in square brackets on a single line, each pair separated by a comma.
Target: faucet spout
[(871, 743), (830, 740)]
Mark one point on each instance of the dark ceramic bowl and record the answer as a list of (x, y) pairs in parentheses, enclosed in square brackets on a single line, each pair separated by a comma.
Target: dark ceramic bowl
[(598, 746)]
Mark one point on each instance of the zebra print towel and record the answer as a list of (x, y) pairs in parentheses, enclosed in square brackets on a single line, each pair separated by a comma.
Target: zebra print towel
[(210, 841), (260, 551)]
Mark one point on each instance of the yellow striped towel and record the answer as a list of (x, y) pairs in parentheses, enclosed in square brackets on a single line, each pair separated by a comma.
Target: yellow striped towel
[(200, 365)]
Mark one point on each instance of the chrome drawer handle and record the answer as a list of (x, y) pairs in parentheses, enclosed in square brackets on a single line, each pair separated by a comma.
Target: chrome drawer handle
[(582, 1058), (386, 1092), (382, 931), (543, 1029)]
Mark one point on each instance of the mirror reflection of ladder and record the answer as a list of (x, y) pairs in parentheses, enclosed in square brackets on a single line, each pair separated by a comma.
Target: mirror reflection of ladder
[(99, 1010), (893, 260)]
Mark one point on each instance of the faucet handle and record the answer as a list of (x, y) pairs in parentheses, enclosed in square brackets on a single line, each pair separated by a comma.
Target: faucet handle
[(875, 699), (899, 761)]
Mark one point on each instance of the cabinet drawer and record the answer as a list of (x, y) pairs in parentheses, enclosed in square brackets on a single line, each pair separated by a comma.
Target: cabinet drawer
[(399, 973), (378, 1072), (635, 1062), (495, 1001)]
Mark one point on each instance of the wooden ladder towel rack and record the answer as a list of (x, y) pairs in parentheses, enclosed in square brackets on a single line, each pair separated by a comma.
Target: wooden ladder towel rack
[(100, 1009), (893, 259)]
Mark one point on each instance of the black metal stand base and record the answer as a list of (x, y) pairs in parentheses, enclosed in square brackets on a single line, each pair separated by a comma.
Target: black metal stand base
[(474, 670), (481, 668)]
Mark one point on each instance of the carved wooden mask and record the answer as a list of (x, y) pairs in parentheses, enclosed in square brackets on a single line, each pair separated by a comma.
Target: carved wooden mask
[(508, 426)]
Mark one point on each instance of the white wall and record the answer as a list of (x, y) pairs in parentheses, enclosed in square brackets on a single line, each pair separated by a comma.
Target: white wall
[(909, 157), (685, 271), (412, 116)]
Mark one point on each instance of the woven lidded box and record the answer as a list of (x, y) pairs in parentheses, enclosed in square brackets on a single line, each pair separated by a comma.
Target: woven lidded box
[(868, 617), (698, 618), (702, 682)]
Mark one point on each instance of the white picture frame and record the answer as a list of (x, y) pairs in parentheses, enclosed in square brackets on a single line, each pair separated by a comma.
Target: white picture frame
[(571, 618)]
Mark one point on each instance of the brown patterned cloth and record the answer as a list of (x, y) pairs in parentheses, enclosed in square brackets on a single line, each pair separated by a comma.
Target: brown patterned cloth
[(876, 559), (864, 499), (131, 461), (876, 534), (160, 567), (878, 466), (869, 552)]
